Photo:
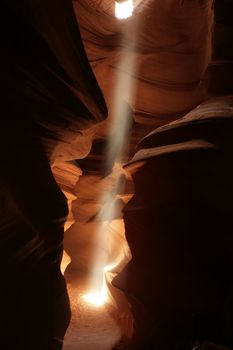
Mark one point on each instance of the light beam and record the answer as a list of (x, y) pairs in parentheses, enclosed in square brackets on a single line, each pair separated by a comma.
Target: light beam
[(122, 99)]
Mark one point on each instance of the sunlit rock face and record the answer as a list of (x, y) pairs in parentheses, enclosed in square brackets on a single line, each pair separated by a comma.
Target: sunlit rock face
[(161, 53), (67, 175), (172, 48)]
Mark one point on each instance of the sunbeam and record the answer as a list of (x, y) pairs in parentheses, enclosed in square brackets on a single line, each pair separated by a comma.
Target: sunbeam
[(122, 109)]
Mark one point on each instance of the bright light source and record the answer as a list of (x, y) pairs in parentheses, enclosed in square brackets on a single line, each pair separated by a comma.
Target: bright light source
[(95, 299), (123, 9), (98, 298)]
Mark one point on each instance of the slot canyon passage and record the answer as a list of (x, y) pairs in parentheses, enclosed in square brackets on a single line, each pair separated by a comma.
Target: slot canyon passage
[(116, 173)]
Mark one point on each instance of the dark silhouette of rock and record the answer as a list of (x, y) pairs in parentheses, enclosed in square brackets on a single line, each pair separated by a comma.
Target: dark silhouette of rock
[(48, 95)]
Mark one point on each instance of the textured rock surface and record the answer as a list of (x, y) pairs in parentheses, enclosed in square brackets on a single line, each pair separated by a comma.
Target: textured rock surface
[(155, 62), (172, 43)]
